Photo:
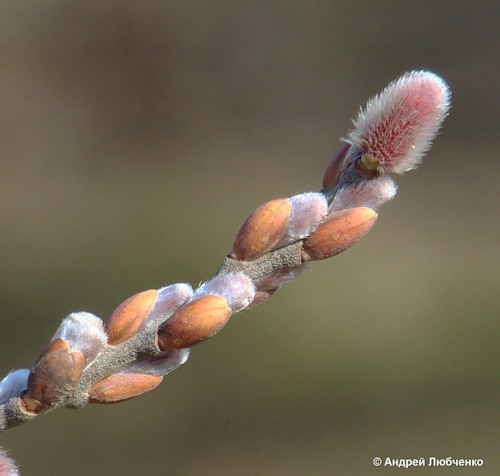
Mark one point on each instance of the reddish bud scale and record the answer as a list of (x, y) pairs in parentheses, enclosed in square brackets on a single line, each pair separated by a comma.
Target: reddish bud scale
[(56, 371), (194, 322), (334, 168), (262, 230), (119, 387), (338, 233), (129, 315), (279, 278), (260, 297)]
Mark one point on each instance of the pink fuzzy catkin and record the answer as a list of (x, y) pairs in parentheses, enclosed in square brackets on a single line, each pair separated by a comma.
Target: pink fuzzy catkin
[(397, 126), (7, 465)]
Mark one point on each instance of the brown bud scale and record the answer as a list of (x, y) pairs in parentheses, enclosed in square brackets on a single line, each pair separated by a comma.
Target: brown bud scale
[(119, 387), (262, 230), (194, 322), (338, 233), (129, 315), (56, 372)]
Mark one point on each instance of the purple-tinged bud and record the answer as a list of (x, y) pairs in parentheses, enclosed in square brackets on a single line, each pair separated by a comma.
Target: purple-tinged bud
[(279, 278), (83, 333), (371, 193), (260, 297), (334, 168), (236, 288), (129, 315), (7, 465), (13, 384), (159, 365), (398, 125), (169, 299), (308, 210)]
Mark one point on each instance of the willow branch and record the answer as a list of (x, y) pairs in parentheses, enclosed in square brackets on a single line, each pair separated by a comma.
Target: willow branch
[(151, 333)]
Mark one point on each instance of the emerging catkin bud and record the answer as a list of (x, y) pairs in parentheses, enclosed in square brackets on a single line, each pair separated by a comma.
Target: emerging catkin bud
[(397, 126), (308, 210), (169, 299), (84, 333), (372, 193), (338, 233), (161, 364), (13, 384), (236, 288)]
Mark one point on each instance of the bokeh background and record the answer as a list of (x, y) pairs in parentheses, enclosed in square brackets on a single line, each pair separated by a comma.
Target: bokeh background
[(135, 137)]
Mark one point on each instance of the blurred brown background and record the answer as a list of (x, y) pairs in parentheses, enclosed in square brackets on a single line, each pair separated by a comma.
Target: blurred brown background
[(135, 137)]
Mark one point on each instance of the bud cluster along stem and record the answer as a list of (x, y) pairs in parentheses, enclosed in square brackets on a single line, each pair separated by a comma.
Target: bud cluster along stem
[(150, 334)]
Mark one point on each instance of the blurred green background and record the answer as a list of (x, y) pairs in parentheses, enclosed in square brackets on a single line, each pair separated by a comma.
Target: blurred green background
[(135, 137)]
